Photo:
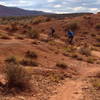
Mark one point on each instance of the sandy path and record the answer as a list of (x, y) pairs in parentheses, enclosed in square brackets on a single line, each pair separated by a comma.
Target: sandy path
[(73, 89), (96, 53)]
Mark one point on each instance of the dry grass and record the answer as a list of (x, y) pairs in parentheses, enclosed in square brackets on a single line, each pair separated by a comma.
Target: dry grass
[(97, 26), (85, 51), (29, 62), (4, 36), (73, 26), (33, 34), (17, 76), (11, 59), (62, 65), (31, 54), (90, 60)]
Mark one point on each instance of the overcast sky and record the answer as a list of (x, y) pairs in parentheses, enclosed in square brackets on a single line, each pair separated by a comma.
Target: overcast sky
[(57, 6)]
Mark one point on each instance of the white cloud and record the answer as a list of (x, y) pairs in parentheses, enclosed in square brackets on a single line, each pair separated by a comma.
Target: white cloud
[(94, 9), (2, 3), (57, 6), (78, 8), (51, 0)]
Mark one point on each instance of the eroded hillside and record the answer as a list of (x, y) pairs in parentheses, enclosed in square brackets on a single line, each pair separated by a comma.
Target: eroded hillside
[(58, 70)]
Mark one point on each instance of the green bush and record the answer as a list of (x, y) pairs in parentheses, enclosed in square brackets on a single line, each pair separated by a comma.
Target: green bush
[(17, 77)]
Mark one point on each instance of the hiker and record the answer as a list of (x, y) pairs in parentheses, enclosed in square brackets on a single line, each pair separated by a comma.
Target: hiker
[(52, 32), (70, 36)]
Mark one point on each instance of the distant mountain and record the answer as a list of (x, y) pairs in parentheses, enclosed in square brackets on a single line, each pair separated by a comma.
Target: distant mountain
[(14, 11)]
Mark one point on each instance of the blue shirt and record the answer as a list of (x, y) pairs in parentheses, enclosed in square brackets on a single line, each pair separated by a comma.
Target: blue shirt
[(70, 33)]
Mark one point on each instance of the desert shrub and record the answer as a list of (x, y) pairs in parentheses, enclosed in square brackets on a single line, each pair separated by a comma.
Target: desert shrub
[(98, 75), (85, 32), (11, 59), (56, 36), (62, 65), (98, 39), (96, 83), (93, 34), (74, 55), (40, 19), (17, 76), (13, 27), (97, 26), (56, 77), (33, 34), (73, 26), (28, 62), (31, 54), (97, 44), (79, 58), (85, 51), (87, 17), (90, 60), (20, 37), (4, 36), (69, 49), (51, 42)]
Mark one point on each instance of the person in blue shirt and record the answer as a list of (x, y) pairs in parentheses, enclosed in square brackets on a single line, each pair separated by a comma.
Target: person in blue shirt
[(70, 36)]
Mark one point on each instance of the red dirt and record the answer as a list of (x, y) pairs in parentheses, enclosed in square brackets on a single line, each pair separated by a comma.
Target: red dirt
[(50, 53)]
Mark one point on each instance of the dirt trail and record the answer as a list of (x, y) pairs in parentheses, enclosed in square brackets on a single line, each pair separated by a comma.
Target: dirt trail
[(73, 89), (96, 53)]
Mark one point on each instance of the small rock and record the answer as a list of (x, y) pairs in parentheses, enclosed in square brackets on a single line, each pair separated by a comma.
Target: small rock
[(21, 97)]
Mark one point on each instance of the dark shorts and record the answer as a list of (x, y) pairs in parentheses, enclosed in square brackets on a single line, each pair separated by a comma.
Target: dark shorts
[(70, 36)]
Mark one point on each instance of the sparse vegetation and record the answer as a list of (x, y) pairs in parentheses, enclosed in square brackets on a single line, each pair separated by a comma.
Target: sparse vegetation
[(13, 27), (69, 49), (28, 62), (11, 59), (4, 36), (62, 65), (73, 26), (31, 54), (98, 39), (17, 77), (40, 19), (97, 26), (90, 60), (85, 51), (20, 37), (33, 34), (97, 44), (96, 83)]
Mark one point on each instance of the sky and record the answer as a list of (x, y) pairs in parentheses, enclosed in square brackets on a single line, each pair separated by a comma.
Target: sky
[(56, 6)]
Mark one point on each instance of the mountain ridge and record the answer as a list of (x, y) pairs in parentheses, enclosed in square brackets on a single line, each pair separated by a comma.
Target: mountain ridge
[(14, 11)]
